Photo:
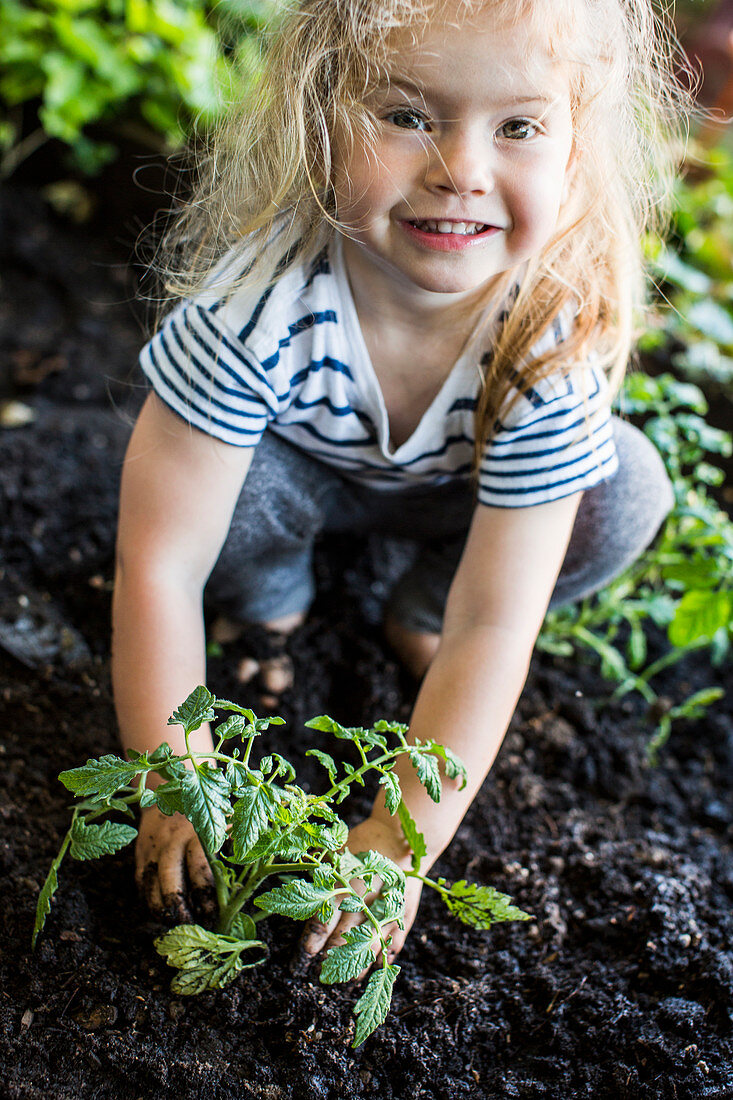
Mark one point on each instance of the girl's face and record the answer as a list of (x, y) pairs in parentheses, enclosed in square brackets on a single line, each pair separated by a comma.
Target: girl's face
[(467, 174)]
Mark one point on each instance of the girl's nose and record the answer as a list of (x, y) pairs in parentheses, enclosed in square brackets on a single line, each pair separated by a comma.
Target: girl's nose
[(460, 162)]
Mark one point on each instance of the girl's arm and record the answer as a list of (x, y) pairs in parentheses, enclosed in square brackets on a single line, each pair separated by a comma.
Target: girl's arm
[(494, 611), (179, 488)]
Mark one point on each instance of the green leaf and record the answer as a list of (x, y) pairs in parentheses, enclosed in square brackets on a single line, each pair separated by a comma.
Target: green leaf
[(427, 770), (43, 906), (480, 906), (372, 862), (249, 819), (93, 841), (347, 733), (169, 798), (346, 962), (373, 1005), (299, 899), (392, 791), (226, 704), (103, 777), (328, 762), (207, 960), (234, 726), (699, 615), (277, 765), (413, 836), (352, 903), (197, 709), (454, 766), (244, 928), (205, 800)]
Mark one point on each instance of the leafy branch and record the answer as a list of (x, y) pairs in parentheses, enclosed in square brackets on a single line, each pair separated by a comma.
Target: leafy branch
[(256, 824)]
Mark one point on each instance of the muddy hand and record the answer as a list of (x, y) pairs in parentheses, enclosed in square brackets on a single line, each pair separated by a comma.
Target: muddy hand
[(170, 866)]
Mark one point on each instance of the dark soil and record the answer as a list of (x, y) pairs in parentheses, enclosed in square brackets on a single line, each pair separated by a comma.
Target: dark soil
[(621, 986)]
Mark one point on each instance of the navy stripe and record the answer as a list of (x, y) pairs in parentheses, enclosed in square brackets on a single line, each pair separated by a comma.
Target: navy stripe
[(207, 419), (205, 394), (223, 341), (327, 363), (529, 490), (284, 263), (248, 395), (295, 329), (516, 435), (577, 461), (520, 455), (335, 410), (450, 441), (468, 403), (367, 441)]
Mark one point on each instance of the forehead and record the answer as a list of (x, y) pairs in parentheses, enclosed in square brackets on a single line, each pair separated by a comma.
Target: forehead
[(479, 46)]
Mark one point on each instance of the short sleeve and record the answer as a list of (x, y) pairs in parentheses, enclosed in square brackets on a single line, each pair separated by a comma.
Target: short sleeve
[(556, 440), (201, 369)]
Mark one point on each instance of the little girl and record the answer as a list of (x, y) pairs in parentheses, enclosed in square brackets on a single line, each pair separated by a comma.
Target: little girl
[(408, 290)]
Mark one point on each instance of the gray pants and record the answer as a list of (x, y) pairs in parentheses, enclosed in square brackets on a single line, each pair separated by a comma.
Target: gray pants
[(289, 499)]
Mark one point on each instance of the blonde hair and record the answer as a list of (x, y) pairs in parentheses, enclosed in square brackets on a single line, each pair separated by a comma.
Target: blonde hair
[(265, 180)]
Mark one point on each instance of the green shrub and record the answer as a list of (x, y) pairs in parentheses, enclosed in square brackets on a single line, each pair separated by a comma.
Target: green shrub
[(159, 63)]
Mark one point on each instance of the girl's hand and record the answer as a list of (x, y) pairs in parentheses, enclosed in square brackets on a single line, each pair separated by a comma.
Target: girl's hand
[(170, 868), (370, 834)]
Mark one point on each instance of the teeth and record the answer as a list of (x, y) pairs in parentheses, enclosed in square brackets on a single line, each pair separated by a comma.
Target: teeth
[(463, 228)]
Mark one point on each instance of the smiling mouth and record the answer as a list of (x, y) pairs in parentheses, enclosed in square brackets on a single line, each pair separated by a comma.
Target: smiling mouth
[(462, 229)]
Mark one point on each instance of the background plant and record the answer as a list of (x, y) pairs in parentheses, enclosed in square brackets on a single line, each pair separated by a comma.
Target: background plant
[(256, 824), (161, 65)]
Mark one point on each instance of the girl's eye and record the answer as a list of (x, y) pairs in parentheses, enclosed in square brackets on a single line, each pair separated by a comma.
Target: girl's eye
[(408, 119), (519, 129)]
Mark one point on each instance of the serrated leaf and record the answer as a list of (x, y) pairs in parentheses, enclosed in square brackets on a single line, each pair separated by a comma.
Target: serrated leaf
[(249, 819), (426, 767), (197, 709), (413, 836), (328, 762), (93, 841), (454, 766), (352, 903), (390, 905), (163, 752), (233, 726), (103, 777), (226, 704), (372, 1007), (275, 764), (169, 798), (398, 728), (392, 791), (332, 837), (147, 798), (43, 906), (345, 962), (373, 862), (205, 800), (206, 959), (299, 899), (481, 906)]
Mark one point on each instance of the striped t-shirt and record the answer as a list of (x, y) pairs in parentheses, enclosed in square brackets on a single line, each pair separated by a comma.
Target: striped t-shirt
[(293, 359)]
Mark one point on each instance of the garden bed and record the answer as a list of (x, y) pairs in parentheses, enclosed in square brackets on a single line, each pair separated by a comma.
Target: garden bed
[(621, 986)]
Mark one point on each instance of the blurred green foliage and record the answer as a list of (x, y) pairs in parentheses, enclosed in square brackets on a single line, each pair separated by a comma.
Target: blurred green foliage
[(162, 63), (694, 269)]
